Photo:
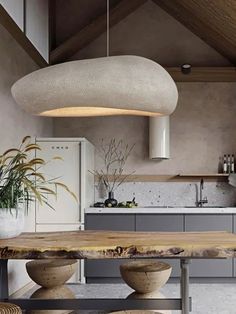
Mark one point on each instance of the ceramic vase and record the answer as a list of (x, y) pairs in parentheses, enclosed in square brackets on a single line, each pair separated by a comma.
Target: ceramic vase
[(111, 201), (11, 222)]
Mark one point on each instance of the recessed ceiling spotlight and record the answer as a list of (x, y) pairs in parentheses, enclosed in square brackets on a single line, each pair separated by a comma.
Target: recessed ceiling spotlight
[(186, 68)]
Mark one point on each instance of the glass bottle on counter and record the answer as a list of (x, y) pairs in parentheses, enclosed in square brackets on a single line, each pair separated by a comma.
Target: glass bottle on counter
[(232, 164), (228, 164), (225, 164)]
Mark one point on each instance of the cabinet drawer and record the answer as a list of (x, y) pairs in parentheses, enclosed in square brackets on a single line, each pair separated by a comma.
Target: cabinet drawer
[(118, 222), (208, 223), (234, 230), (210, 268), (154, 222), (115, 222), (103, 268)]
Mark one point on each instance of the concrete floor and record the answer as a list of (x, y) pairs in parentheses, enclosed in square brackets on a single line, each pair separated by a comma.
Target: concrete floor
[(207, 298)]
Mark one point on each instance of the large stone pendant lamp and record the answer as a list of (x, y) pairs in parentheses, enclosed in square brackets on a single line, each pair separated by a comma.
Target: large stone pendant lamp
[(117, 85), (113, 85)]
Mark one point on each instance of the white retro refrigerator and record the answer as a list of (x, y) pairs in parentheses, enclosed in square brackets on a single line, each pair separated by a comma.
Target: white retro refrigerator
[(72, 168)]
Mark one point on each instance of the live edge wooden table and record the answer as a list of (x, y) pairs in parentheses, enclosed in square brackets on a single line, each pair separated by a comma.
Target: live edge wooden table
[(114, 245)]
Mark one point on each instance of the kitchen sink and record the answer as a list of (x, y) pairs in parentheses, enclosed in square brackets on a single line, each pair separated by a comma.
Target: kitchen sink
[(155, 206), (204, 207)]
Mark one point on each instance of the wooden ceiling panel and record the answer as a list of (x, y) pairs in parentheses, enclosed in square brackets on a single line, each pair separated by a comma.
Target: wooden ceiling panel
[(74, 15), (84, 36), (9, 24), (213, 21)]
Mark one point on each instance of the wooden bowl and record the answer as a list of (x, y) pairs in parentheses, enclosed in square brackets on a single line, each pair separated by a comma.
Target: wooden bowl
[(145, 276), (51, 273)]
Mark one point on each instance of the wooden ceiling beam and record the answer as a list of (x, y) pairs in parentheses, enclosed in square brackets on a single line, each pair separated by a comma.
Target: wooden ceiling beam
[(8, 23), (212, 21), (93, 30), (204, 74)]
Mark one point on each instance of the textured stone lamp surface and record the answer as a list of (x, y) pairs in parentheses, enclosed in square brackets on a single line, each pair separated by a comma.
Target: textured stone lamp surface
[(117, 85)]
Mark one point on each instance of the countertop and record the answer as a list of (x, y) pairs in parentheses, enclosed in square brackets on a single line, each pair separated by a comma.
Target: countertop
[(161, 210), (95, 244)]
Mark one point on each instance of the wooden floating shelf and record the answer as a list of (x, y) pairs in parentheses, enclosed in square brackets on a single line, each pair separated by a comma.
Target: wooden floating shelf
[(174, 177), (204, 74), (214, 175)]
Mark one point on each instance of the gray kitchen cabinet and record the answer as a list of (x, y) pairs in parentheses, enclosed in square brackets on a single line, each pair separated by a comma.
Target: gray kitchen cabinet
[(211, 268), (106, 270), (153, 222), (234, 230)]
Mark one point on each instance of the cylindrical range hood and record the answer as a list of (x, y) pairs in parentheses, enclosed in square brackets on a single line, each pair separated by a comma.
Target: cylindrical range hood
[(159, 137)]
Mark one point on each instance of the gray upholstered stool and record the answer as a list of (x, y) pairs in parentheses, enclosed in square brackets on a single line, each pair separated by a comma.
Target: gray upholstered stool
[(8, 308)]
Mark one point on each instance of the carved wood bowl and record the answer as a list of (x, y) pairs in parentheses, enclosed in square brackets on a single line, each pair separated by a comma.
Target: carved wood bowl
[(145, 276), (51, 273)]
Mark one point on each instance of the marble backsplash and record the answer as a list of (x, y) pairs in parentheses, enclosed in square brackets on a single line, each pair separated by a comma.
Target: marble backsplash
[(173, 193)]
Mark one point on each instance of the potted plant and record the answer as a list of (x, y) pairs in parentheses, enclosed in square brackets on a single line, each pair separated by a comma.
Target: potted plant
[(114, 155), (22, 182)]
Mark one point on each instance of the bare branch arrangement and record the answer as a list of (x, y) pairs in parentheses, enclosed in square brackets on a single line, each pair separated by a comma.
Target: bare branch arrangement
[(114, 156)]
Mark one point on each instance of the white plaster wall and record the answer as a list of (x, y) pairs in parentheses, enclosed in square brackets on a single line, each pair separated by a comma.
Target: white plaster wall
[(15, 124), (202, 129)]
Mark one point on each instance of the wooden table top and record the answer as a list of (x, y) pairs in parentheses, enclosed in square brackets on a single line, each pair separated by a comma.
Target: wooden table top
[(119, 244)]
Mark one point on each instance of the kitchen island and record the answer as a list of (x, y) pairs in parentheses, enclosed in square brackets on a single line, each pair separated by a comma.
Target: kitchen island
[(114, 245), (167, 219)]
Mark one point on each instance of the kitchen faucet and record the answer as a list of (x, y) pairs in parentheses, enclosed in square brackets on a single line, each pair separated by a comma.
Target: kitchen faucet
[(201, 201)]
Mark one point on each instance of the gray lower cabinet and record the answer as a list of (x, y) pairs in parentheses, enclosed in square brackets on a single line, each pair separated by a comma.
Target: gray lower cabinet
[(152, 222), (234, 230), (210, 268), (106, 270)]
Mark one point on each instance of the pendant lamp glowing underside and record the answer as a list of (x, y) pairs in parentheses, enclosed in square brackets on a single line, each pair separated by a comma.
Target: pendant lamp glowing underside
[(119, 85)]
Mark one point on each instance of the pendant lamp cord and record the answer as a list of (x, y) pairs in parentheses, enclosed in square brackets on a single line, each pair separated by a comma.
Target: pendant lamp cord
[(108, 28)]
